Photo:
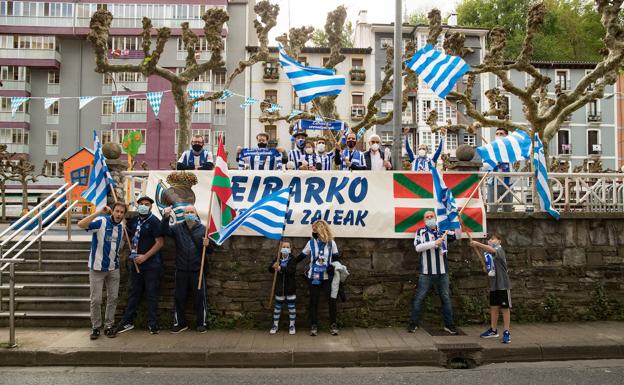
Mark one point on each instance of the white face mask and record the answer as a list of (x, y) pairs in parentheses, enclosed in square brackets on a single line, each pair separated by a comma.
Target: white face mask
[(309, 150), (431, 223), (320, 147), (422, 153), (375, 146)]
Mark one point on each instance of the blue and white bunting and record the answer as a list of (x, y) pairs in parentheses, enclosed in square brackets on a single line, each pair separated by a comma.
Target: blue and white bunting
[(100, 179), (318, 118), (512, 148), (439, 70), (267, 217), (310, 82), (274, 107), (194, 94), (119, 102), (16, 102), (226, 94), (541, 178), (84, 100), (361, 132), (249, 101), (47, 102), (154, 99), (294, 113)]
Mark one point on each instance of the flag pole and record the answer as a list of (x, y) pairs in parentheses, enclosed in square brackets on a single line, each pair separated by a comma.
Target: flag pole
[(203, 257), (473, 194), (125, 232)]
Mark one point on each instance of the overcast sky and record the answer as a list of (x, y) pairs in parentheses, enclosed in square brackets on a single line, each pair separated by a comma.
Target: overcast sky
[(314, 12)]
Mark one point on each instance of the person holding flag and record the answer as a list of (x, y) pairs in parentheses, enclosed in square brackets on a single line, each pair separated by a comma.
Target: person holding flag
[(196, 158), (260, 158)]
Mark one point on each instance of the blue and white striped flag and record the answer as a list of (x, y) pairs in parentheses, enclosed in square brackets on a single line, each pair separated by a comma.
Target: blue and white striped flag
[(178, 208), (84, 100), (100, 178), (294, 113), (16, 102), (249, 101), (541, 178), (154, 99), (512, 148), (361, 132), (267, 217), (119, 101), (47, 102), (439, 70), (226, 94), (310, 82), (445, 208)]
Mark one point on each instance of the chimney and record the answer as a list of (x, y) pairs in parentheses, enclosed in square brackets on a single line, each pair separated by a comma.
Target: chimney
[(452, 20), (362, 19)]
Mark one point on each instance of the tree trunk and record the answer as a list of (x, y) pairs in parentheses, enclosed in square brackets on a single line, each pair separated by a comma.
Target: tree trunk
[(184, 117), (3, 198), (24, 182)]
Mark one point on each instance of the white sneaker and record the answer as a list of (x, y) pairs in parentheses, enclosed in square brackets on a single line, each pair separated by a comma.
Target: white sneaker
[(292, 330), (273, 330)]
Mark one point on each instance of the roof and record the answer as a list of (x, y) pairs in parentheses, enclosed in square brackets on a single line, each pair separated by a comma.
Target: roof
[(444, 26), (77, 152), (354, 51), (560, 64)]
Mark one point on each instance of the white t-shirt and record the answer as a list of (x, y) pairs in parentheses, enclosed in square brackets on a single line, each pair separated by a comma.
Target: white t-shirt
[(377, 164)]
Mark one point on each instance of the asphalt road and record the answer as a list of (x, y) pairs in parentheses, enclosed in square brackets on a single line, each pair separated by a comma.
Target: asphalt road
[(599, 372)]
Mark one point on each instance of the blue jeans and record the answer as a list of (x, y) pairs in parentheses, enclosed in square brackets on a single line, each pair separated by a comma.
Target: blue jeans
[(441, 283), (148, 281)]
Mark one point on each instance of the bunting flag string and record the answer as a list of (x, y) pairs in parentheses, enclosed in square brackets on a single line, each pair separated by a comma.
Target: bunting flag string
[(84, 100), (194, 94), (16, 102), (294, 113), (154, 99), (249, 101), (274, 107), (119, 102), (226, 94), (47, 102)]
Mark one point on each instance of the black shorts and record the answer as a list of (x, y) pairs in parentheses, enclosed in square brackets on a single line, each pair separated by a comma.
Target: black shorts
[(501, 298)]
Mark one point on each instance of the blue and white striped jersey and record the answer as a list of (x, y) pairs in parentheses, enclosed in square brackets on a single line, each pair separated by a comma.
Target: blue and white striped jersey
[(326, 160), (321, 253), (106, 242), (355, 156), (296, 155), (260, 161), (433, 260)]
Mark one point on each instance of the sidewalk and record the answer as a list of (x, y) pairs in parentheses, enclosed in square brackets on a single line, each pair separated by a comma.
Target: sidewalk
[(354, 347)]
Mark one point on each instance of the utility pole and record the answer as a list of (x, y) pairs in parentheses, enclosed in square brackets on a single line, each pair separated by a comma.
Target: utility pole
[(397, 128)]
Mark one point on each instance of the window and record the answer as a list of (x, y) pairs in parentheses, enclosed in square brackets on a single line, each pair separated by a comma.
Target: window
[(563, 142), (593, 142), (51, 169), (562, 79), (426, 138), (203, 107), (107, 137), (470, 139), (53, 109), (591, 86), (13, 136), (302, 60), (297, 105), (451, 142), (107, 107), (124, 43), (451, 111), (386, 42), (5, 105), (386, 137), (424, 109), (81, 176), (593, 111), (201, 45), (15, 73), (54, 77), (357, 63), (118, 135), (386, 106), (52, 137), (325, 61), (218, 78), (422, 41), (407, 115), (439, 107), (271, 96), (137, 106), (220, 113), (357, 98)]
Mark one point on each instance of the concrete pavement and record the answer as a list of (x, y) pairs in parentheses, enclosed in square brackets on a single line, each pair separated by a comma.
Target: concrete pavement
[(353, 347)]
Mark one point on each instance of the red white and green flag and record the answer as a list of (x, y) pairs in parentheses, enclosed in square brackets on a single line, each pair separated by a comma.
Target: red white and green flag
[(222, 212)]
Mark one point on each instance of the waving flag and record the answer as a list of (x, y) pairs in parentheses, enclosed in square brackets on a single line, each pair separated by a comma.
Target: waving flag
[(222, 213), (154, 99), (310, 82), (446, 208), (16, 102), (267, 217), (514, 147), (541, 179), (100, 178), (119, 101), (178, 208), (294, 113), (439, 70)]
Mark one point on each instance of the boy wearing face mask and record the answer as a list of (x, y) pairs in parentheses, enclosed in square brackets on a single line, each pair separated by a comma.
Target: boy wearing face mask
[(350, 158), (374, 158), (196, 158), (324, 158), (285, 288), (422, 162), (297, 154), (189, 242), (500, 288), (146, 242)]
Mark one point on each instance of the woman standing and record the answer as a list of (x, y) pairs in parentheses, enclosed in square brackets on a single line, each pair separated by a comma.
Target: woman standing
[(322, 251)]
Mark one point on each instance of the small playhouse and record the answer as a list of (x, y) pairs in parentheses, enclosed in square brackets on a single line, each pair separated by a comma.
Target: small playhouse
[(77, 168)]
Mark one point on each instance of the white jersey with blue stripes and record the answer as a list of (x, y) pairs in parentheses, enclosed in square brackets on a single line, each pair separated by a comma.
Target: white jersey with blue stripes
[(106, 243)]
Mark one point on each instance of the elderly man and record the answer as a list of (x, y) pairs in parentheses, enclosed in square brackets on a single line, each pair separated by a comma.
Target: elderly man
[(374, 158), (350, 158), (260, 158), (196, 158), (422, 162), (189, 241), (431, 244)]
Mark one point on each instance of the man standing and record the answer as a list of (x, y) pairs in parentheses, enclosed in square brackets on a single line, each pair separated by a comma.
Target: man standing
[(325, 158), (107, 229), (375, 159), (350, 158), (188, 236), (146, 239), (196, 158), (260, 158), (297, 154), (497, 189), (431, 244)]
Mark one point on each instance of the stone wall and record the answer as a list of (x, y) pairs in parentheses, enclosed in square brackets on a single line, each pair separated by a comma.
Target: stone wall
[(572, 269)]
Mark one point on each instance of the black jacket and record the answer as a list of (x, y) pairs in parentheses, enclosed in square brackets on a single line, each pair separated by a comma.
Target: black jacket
[(188, 244), (286, 284), (367, 158)]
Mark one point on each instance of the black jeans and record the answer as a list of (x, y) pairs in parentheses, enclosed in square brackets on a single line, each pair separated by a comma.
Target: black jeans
[(316, 291), (148, 281), (186, 281)]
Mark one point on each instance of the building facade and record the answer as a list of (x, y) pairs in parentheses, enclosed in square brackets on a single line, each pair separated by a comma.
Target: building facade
[(619, 109), (44, 53)]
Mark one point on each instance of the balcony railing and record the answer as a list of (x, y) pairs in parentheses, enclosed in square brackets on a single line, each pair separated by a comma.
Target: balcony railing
[(198, 117), (52, 119), (271, 74), (16, 85), (52, 150), (54, 89), (132, 86), (17, 148), (357, 112), (19, 117), (594, 118), (204, 86), (30, 54), (219, 120), (33, 21), (358, 75), (124, 117), (124, 54)]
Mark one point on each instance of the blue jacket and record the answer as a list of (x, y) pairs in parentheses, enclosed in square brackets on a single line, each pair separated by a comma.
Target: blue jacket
[(188, 244)]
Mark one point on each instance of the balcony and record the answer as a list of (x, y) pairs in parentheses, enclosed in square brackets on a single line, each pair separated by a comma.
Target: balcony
[(125, 117), (137, 23), (358, 75), (219, 120), (52, 119), (271, 75), (52, 150), (54, 89), (108, 89), (357, 112), (204, 86), (52, 57), (17, 148), (198, 117), (594, 117), (199, 56), (23, 117), (16, 85)]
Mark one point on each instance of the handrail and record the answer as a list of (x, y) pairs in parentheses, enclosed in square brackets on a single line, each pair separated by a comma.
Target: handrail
[(37, 207)]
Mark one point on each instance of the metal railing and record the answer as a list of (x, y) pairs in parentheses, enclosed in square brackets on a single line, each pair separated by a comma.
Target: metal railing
[(54, 214)]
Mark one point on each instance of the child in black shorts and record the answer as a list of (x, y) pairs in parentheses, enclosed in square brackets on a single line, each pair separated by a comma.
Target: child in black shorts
[(500, 287)]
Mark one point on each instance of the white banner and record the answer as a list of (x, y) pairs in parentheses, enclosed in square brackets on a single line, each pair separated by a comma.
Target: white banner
[(359, 204)]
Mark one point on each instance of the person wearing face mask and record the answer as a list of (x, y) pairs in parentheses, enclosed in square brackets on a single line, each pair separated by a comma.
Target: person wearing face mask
[(322, 251), (310, 160), (107, 228), (297, 154), (350, 158), (146, 239), (324, 158), (196, 158), (260, 158), (375, 159), (421, 162), (432, 246), (500, 288), (285, 287), (498, 187), (189, 242)]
